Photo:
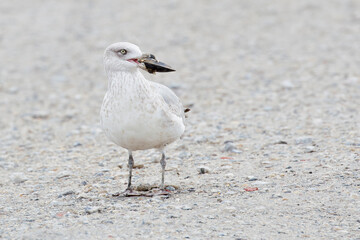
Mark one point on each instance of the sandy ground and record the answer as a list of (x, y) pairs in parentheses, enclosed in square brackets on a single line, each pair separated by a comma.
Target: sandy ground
[(275, 93)]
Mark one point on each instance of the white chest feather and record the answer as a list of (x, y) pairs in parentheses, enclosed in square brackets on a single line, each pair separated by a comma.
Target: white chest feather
[(134, 116)]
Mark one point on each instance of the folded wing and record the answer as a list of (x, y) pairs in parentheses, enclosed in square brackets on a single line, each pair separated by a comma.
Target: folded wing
[(170, 98)]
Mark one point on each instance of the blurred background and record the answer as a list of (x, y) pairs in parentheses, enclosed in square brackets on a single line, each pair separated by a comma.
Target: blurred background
[(271, 84), (227, 54)]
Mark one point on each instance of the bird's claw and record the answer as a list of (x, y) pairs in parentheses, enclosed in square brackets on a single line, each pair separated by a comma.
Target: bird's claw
[(152, 193)]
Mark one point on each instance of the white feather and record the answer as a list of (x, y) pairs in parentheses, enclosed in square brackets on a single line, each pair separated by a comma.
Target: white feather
[(137, 114)]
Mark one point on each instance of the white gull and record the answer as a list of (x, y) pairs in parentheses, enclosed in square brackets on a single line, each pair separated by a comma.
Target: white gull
[(138, 114)]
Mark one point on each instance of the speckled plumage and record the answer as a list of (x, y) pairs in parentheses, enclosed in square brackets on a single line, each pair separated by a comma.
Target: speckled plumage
[(138, 114)]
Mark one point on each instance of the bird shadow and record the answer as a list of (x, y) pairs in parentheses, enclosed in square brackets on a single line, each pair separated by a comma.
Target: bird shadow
[(148, 191)]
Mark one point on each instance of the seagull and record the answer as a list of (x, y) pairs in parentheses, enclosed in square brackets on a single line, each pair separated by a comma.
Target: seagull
[(138, 114)]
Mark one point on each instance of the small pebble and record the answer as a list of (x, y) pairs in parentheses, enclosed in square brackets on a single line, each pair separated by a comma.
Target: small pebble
[(82, 196), (90, 210), (101, 164), (287, 84), (230, 209), (229, 147), (266, 162), (201, 139), (138, 166), (13, 90), (98, 174), (203, 169), (77, 144), (186, 207), (170, 188), (18, 177), (215, 190), (304, 140), (274, 196), (63, 174), (309, 149), (229, 175), (252, 178), (70, 192), (40, 115)]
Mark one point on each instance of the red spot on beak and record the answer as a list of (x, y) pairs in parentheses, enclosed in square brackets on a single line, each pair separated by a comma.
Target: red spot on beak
[(134, 60)]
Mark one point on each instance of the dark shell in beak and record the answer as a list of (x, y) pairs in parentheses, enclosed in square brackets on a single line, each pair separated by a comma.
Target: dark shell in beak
[(152, 65)]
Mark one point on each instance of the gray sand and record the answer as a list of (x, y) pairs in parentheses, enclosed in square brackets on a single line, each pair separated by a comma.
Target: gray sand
[(275, 93)]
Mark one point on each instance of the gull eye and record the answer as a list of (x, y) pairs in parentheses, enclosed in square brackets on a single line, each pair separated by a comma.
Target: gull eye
[(123, 51)]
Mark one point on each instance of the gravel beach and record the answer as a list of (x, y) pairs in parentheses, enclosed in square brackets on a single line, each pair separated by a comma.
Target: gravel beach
[(272, 145)]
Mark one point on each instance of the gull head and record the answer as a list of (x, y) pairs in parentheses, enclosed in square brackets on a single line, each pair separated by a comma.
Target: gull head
[(122, 56), (127, 57)]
